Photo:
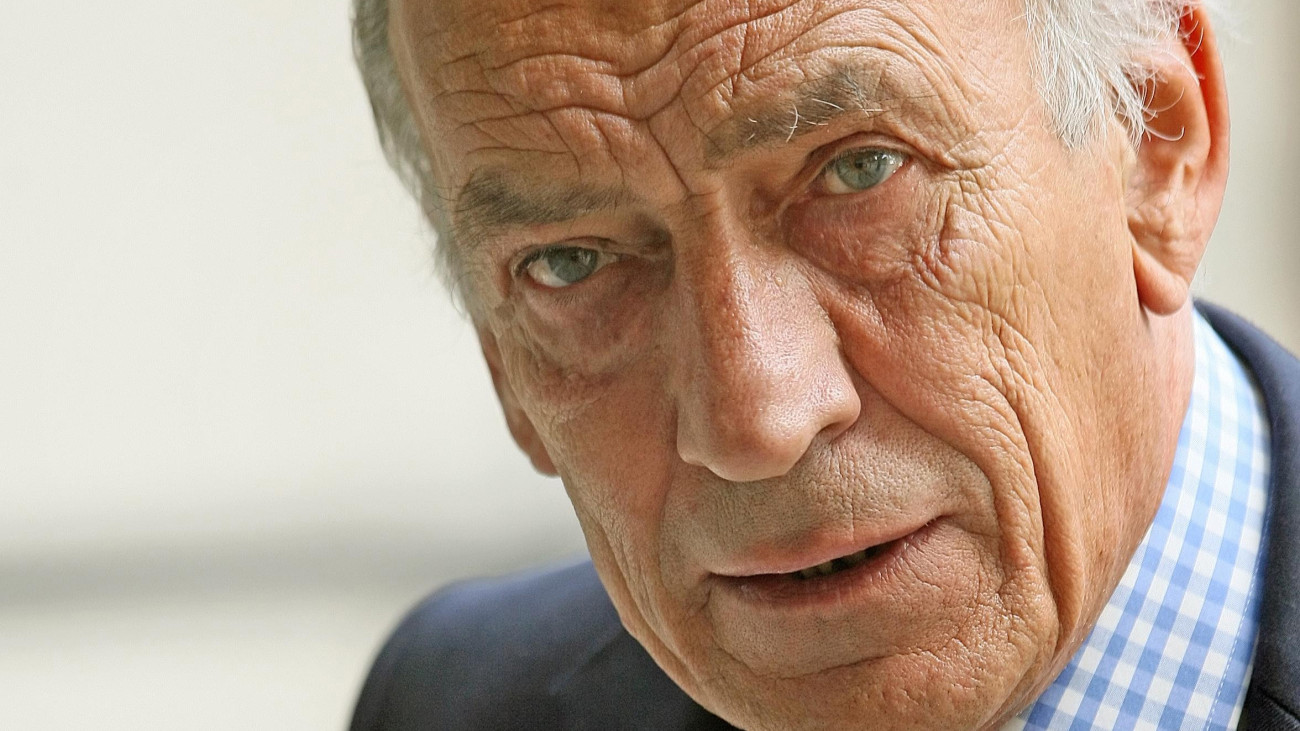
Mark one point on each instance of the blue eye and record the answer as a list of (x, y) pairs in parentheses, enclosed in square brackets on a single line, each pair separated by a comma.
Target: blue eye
[(561, 266), (858, 170)]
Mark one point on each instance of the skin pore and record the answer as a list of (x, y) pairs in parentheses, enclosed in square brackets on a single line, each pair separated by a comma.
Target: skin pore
[(772, 284)]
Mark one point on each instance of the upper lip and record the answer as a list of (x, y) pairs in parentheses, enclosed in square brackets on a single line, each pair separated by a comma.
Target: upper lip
[(788, 557)]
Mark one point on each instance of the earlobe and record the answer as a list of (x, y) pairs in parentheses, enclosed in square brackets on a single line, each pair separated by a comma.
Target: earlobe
[(1179, 173), (1160, 289), (521, 427)]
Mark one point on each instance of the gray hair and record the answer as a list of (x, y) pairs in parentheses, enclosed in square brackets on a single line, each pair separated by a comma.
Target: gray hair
[(399, 135), (1094, 59)]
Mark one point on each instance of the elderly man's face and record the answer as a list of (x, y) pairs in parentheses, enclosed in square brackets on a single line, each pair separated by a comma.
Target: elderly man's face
[(837, 347)]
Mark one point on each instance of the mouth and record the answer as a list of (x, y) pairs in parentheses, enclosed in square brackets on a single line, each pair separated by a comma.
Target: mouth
[(797, 613), (854, 571)]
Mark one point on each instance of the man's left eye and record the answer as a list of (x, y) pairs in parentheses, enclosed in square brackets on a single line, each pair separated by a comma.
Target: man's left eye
[(561, 266), (858, 170)]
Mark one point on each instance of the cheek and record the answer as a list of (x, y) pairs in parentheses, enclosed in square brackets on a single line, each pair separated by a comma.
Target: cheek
[(913, 294), (619, 465), (594, 409), (927, 314), (611, 436)]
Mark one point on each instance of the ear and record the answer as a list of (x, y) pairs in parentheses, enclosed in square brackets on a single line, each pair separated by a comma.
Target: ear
[(521, 427), (1175, 188)]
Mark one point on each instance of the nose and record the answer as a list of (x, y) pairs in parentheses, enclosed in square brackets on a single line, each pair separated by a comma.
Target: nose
[(759, 373)]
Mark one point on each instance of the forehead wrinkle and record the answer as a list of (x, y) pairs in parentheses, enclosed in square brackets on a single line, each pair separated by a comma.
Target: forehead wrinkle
[(847, 90), (489, 200), (499, 37)]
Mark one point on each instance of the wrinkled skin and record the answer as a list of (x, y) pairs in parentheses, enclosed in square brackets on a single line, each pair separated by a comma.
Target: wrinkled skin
[(986, 353)]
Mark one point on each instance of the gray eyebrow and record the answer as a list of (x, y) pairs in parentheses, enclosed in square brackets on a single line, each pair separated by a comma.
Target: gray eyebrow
[(845, 91), (490, 199)]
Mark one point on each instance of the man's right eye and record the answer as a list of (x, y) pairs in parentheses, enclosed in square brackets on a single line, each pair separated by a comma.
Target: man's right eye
[(561, 266)]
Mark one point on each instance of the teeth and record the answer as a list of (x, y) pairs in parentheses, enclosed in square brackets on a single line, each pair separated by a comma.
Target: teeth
[(837, 564), (821, 569)]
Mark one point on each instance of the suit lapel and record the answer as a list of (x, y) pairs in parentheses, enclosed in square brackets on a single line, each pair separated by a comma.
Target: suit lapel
[(621, 687), (1273, 699)]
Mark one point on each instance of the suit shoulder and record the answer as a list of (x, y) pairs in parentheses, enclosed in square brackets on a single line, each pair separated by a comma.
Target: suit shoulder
[(488, 652)]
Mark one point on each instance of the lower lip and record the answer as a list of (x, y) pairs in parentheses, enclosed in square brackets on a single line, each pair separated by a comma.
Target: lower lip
[(873, 574)]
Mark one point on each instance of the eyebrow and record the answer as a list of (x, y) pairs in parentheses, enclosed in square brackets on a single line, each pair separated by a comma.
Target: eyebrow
[(490, 200), (848, 90)]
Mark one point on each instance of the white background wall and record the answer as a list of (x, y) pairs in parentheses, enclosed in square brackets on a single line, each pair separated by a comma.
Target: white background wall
[(241, 429)]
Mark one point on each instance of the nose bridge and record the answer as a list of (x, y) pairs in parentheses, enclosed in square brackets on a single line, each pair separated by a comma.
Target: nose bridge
[(759, 372)]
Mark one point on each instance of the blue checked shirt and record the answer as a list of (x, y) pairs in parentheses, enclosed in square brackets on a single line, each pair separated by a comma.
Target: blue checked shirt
[(1173, 647)]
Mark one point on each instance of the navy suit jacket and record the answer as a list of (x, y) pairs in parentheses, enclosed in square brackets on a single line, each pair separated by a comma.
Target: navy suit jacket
[(545, 650)]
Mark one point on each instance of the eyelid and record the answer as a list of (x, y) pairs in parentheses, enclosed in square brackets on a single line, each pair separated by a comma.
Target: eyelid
[(861, 140), (844, 152)]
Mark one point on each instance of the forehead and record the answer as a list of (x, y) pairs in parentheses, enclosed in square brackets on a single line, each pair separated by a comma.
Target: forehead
[(493, 79), (618, 54)]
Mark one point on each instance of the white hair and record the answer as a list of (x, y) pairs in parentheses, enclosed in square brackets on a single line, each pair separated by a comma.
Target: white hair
[(1096, 57), (1094, 61)]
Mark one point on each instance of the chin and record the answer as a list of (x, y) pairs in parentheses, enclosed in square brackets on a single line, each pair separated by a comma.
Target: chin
[(905, 692)]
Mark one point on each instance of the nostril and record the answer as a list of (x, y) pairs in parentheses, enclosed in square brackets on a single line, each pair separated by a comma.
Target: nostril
[(744, 466), (743, 457)]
